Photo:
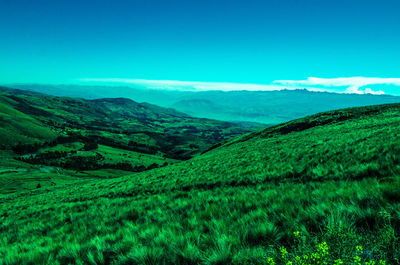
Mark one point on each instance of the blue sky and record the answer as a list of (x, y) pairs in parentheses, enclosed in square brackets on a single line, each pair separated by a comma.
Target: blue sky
[(277, 43)]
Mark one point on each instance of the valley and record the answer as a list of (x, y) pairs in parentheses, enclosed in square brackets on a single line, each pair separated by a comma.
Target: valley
[(49, 135)]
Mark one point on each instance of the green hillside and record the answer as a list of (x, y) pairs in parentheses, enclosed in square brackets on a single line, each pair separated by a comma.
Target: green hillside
[(16, 126), (29, 117), (122, 123), (323, 189), (48, 138)]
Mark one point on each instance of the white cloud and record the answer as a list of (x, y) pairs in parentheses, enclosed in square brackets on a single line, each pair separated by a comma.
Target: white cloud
[(353, 84), (370, 91), (343, 81), (196, 86)]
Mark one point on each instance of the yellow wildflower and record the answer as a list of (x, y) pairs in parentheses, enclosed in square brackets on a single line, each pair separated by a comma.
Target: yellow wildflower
[(357, 260), (270, 261), (359, 249), (338, 262), (283, 252)]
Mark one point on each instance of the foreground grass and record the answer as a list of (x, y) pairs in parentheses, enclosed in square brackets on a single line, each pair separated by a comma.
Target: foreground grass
[(219, 226), (321, 190)]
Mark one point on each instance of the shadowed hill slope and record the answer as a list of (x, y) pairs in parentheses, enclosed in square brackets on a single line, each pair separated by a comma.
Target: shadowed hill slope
[(16, 126)]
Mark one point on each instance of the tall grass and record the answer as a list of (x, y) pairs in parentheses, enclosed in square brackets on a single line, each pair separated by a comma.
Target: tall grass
[(220, 226), (322, 195)]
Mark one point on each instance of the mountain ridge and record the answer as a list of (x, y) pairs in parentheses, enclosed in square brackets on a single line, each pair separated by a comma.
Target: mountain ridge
[(266, 107)]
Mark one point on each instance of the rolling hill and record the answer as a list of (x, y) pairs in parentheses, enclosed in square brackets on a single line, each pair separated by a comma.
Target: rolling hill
[(323, 189), (54, 137), (117, 121)]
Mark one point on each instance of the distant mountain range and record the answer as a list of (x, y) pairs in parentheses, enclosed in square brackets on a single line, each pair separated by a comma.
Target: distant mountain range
[(267, 107)]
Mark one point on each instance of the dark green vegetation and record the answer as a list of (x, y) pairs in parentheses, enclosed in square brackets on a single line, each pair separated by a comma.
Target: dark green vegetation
[(58, 136), (116, 122), (267, 107), (324, 188)]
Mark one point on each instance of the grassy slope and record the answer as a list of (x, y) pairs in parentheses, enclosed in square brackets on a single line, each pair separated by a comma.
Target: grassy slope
[(333, 177), (16, 126)]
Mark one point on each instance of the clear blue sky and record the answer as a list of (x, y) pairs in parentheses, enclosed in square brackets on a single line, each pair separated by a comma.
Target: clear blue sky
[(58, 41)]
